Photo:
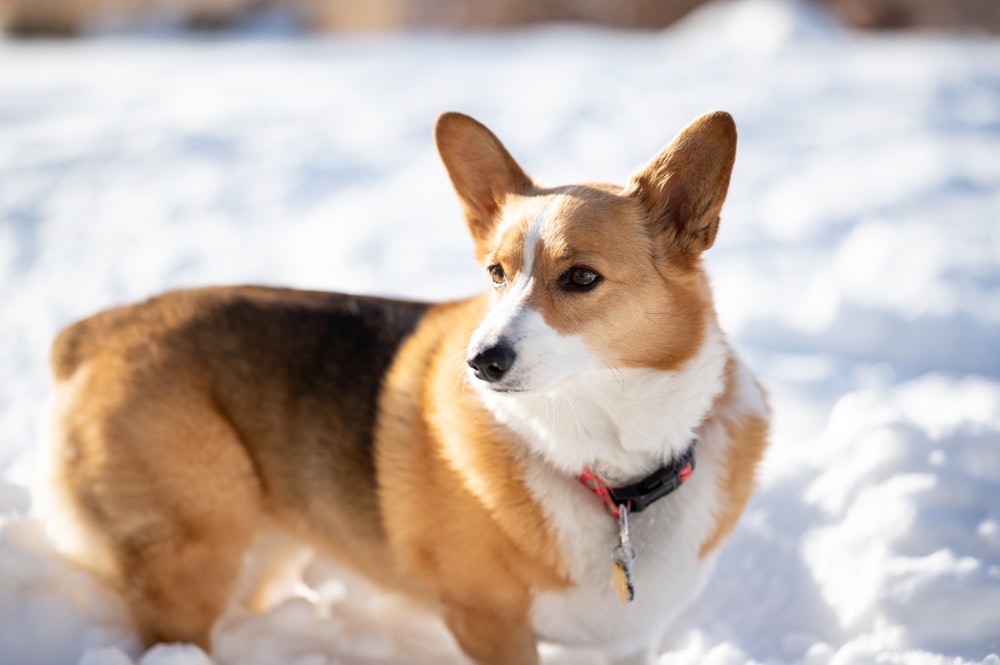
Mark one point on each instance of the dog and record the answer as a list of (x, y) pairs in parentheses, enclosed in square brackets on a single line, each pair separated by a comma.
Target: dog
[(557, 459)]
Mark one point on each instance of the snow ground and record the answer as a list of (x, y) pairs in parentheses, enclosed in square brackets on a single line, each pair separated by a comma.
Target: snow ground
[(858, 268)]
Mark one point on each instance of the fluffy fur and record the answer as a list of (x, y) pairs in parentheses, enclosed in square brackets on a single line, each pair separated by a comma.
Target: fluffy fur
[(435, 448)]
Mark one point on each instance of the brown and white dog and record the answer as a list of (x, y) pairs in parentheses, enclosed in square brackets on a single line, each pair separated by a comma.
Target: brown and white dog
[(437, 448)]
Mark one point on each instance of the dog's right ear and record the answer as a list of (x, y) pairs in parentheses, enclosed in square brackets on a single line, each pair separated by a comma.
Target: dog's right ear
[(685, 185), (480, 168)]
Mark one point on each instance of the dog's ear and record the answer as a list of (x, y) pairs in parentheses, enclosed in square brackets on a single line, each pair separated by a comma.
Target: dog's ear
[(480, 168), (684, 186)]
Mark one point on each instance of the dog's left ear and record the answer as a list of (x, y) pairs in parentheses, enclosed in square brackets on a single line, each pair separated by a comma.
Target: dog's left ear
[(685, 185), (480, 168)]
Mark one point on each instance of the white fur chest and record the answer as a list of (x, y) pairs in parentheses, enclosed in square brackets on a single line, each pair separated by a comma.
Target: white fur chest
[(668, 570)]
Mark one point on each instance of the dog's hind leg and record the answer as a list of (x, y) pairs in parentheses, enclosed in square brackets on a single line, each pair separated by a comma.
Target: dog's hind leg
[(163, 499), (274, 565)]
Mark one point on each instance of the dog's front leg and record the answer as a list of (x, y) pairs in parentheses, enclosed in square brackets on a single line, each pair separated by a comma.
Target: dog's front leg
[(490, 638)]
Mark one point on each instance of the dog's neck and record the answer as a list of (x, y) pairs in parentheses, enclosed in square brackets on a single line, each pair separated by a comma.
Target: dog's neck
[(621, 423)]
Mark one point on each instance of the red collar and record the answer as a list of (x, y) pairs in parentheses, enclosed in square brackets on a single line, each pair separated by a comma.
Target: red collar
[(638, 496)]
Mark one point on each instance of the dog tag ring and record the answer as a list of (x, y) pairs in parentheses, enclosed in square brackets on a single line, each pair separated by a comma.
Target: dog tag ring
[(622, 559)]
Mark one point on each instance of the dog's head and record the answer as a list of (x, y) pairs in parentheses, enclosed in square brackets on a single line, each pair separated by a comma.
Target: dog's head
[(594, 276)]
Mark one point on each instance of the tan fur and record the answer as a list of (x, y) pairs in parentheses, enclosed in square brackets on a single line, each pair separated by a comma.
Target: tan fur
[(747, 435), (442, 460), (482, 171), (165, 487), (643, 312), (654, 288), (170, 478), (186, 423)]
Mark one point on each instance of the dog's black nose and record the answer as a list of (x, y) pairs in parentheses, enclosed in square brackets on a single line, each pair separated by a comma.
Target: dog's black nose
[(491, 364)]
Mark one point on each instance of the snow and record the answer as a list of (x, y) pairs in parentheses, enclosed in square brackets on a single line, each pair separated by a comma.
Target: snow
[(858, 268)]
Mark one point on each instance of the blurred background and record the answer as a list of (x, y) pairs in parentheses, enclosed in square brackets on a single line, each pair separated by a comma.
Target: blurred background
[(151, 145), (70, 17)]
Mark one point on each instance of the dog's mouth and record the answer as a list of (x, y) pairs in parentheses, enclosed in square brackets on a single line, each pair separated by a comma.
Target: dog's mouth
[(507, 386), (493, 386), (505, 390)]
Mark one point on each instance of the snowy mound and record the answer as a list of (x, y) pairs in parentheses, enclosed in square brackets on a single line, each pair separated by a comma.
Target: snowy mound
[(857, 267)]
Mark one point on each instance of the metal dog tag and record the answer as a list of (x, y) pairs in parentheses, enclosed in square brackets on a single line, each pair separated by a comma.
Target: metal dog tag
[(622, 559)]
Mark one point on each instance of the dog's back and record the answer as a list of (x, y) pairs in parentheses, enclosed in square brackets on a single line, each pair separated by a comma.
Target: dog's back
[(184, 419)]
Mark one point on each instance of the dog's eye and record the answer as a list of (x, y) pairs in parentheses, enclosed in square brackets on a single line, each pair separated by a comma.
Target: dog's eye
[(579, 278), (498, 276)]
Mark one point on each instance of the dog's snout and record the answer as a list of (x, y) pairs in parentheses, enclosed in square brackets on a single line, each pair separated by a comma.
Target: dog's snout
[(491, 364)]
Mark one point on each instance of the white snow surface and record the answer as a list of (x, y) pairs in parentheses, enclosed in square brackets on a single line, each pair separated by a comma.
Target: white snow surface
[(857, 268)]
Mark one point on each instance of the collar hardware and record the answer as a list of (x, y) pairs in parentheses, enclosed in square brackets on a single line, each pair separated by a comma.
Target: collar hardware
[(640, 495)]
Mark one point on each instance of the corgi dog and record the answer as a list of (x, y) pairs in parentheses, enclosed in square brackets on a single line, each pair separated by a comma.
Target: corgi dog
[(557, 459)]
